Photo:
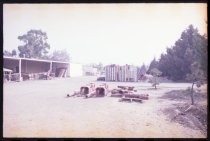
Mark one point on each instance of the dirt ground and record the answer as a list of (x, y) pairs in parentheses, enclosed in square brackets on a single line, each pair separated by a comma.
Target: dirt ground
[(40, 108)]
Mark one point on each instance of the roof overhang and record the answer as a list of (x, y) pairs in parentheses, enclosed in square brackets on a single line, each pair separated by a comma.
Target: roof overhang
[(7, 70), (32, 59)]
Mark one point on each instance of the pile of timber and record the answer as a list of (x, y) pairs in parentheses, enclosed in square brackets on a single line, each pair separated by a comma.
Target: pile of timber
[(62, 72), (122, 90), (118, 92), (134, 97), (126, 88)]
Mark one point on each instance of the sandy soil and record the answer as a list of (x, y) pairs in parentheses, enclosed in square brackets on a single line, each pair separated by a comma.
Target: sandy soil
[(40, 109)]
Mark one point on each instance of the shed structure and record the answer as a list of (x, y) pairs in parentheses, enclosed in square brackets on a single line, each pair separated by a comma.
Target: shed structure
[(27, 66)]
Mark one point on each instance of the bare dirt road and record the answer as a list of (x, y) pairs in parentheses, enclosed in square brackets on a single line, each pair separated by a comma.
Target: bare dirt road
[(40, 109)]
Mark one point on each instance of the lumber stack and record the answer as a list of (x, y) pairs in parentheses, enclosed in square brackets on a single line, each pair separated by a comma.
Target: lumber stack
[(126, 73), (134, 97), (62, 72)]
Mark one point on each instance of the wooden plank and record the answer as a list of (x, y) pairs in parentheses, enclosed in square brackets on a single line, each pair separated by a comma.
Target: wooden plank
[(116, 95), (131, 99), (123, 98), (137, 99)]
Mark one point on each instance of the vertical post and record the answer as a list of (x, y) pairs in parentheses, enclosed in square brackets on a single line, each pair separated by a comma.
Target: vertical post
[(192, 99), (26, 69), (20, 70), (68, 70), (51, 65), (9, 76)]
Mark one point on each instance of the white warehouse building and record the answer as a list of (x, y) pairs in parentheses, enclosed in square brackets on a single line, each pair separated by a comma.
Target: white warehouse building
[(75, 70)]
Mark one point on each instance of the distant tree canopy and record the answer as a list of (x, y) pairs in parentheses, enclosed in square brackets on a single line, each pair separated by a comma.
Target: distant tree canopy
[(35, 44), (153, 64), (176, 64), (60, 55), (14, 52), (142, 70), (7, 53)]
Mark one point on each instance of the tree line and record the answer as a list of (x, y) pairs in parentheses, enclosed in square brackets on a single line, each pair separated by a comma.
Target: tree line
[(186, 59), (35, 46)]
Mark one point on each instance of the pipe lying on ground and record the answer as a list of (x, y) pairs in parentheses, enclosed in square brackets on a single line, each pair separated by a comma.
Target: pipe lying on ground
[(140, 96)]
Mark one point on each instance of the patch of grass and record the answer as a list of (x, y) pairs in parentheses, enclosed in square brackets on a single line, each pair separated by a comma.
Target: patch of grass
[(183, 95)]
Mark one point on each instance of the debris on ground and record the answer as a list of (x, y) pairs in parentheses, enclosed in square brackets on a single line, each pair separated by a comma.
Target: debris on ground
[(192, 116), (134, 97), (99, 91), (128, 93), (90, 90), (121, 90), (84, 91)]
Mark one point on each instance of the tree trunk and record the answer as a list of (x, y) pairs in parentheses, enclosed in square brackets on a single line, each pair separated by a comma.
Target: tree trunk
[(192, 98), (155, 83)]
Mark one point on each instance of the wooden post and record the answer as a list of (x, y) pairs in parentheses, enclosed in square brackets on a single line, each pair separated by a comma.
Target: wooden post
[(68, 70), (9, 76), (20, 70), (51, 65), (192, 98), (26, 67)]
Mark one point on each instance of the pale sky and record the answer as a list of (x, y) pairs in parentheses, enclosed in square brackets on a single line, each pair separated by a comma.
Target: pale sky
[(106, 33)]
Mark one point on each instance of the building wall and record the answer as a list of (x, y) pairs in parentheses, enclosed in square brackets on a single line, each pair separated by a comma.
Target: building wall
[(11, 64), (34, 66), (75, 70)]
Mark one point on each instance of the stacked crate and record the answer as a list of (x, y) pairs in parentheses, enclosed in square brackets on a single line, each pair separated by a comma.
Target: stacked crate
[(126, 73), (133, 73), (111, 72), (120, 72)]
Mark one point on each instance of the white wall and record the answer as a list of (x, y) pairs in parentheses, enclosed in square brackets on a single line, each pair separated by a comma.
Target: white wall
[(75, 70)]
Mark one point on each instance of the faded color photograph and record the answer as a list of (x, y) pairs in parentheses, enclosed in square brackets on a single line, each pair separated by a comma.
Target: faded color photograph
[(105, 70)]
